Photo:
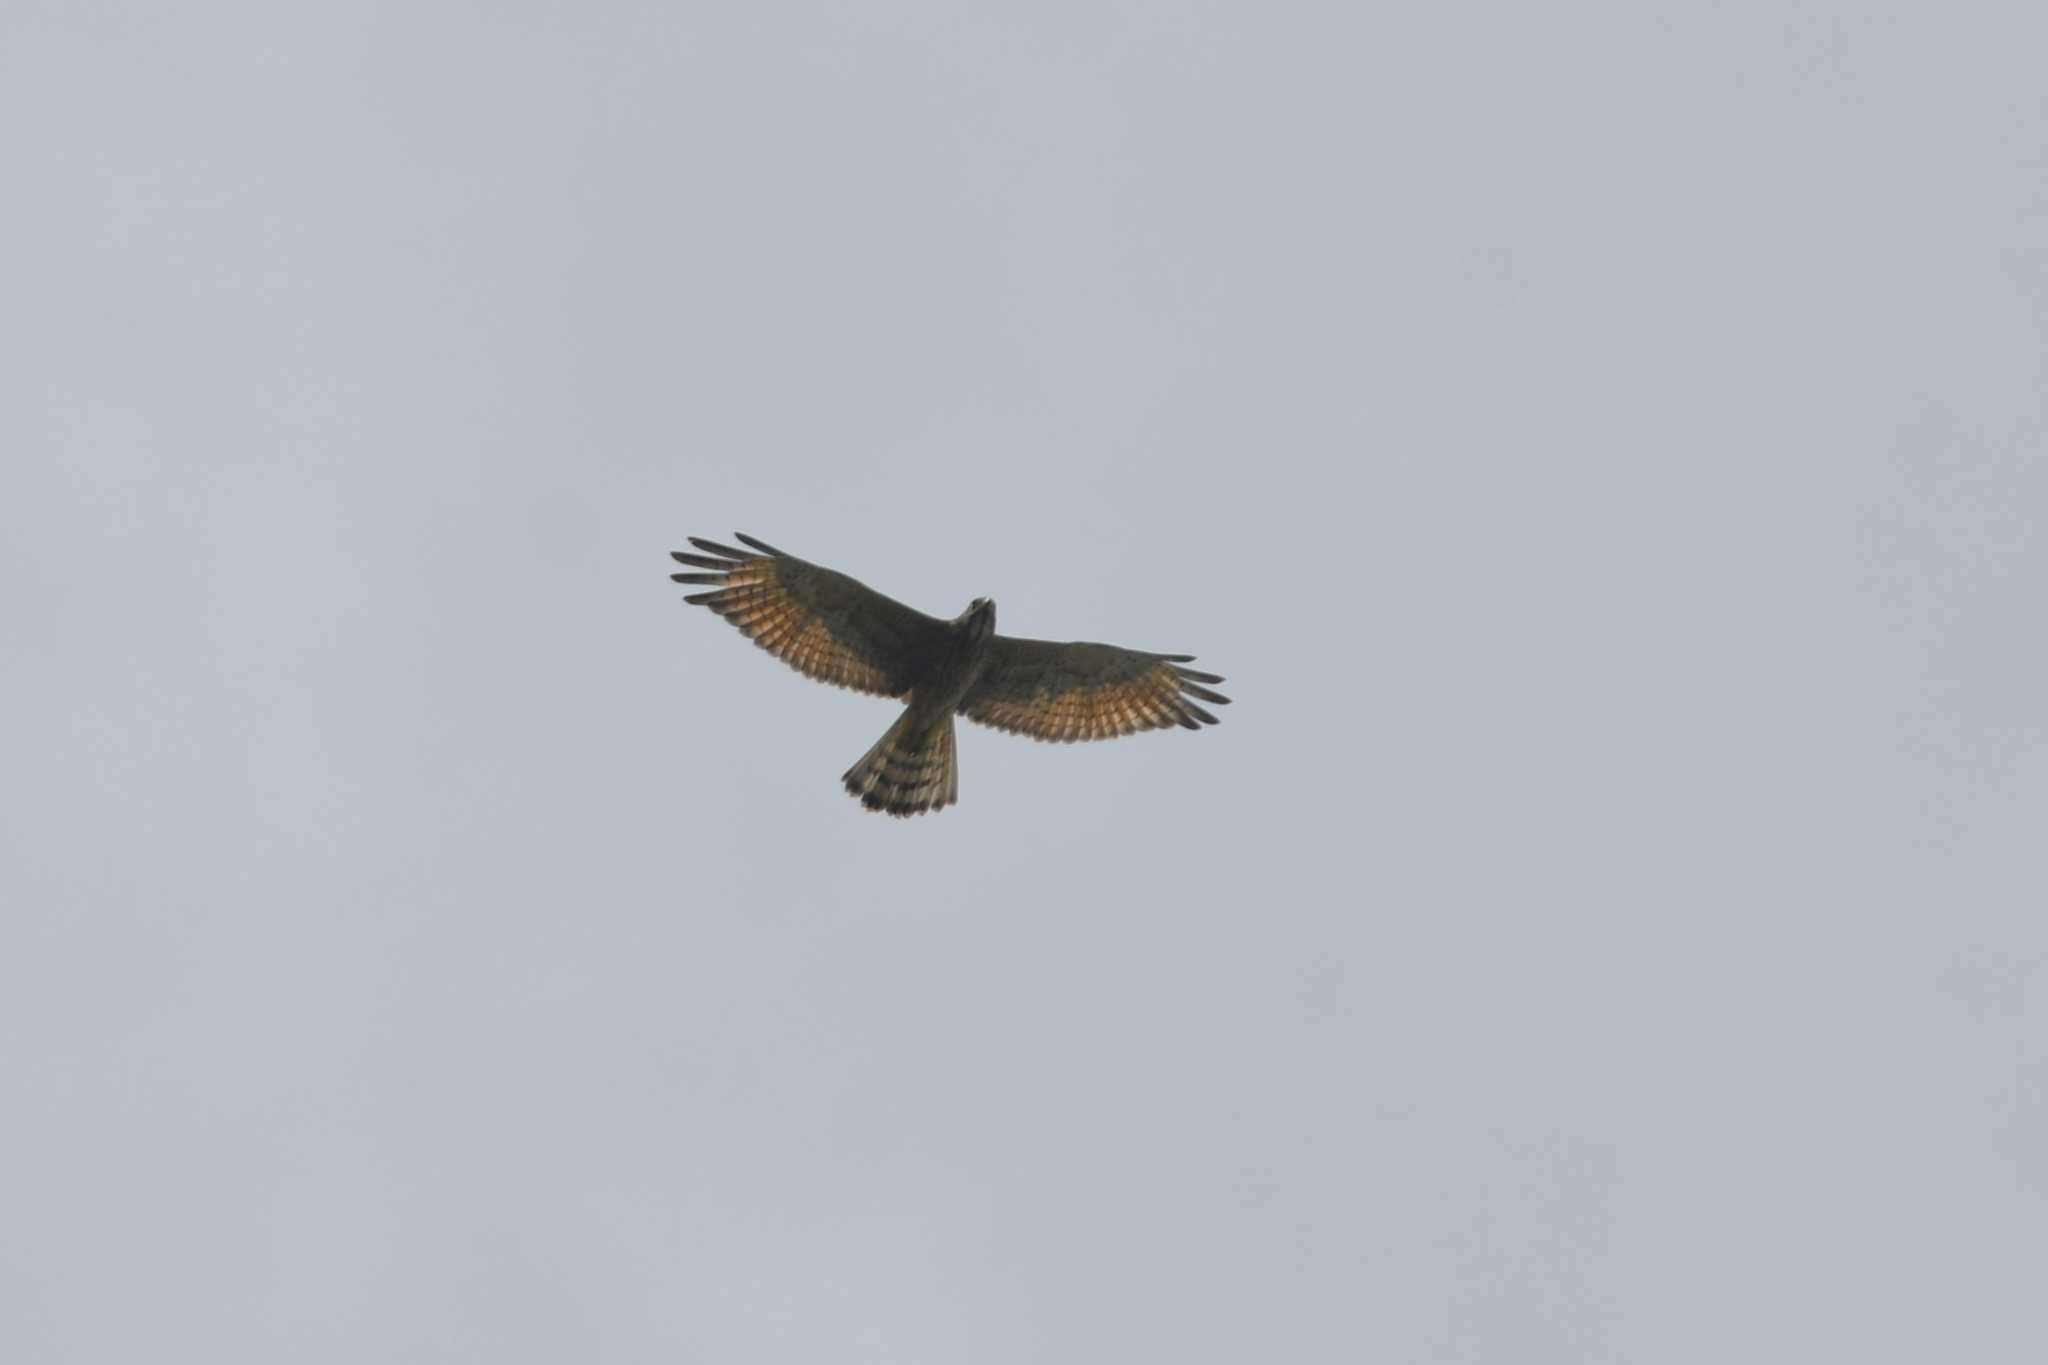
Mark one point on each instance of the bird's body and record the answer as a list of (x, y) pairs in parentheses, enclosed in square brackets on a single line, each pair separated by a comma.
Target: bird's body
[(838, 630), (913, 766)]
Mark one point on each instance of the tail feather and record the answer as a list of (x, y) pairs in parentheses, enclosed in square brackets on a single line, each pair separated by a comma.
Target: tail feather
[(910, 770)]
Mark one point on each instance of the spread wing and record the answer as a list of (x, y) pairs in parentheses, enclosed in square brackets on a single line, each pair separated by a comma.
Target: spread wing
[(821, 623), (1086, 691)]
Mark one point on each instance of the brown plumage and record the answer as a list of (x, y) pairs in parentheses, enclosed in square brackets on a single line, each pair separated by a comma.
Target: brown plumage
[(838, 630)]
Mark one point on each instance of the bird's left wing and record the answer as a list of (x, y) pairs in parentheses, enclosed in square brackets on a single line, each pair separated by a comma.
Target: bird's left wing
[(1086, 691), (820, 622)]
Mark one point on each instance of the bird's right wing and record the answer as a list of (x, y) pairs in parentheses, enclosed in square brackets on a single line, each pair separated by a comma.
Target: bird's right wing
[(1085, 691), (821, 623)]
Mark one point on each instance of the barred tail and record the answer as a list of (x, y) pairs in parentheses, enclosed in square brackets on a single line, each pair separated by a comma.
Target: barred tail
[(910, 770)]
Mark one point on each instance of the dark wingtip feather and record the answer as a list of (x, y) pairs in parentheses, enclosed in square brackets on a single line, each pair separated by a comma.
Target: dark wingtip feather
[(763, 546), (704, 561), (1199, 676), (1204, 693), (697, 577), (713, 599), (1199, 714), (715, 548)]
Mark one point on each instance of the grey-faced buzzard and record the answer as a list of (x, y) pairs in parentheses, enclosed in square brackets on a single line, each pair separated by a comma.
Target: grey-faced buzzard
[(838, 630)]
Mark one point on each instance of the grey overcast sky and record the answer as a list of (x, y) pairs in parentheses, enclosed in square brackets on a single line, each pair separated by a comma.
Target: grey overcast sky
[(1603, 445)]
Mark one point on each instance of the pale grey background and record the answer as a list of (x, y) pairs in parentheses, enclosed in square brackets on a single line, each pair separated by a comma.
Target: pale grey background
[(1602, 443)]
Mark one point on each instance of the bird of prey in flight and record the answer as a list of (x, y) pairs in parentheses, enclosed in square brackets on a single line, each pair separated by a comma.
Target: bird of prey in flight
[(838, 630)]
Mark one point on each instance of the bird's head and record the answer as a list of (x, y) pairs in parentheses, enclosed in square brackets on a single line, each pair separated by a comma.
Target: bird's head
[(980, 617)]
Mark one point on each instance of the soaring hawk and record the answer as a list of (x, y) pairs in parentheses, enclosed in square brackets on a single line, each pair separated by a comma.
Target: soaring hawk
[(840, 631)]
